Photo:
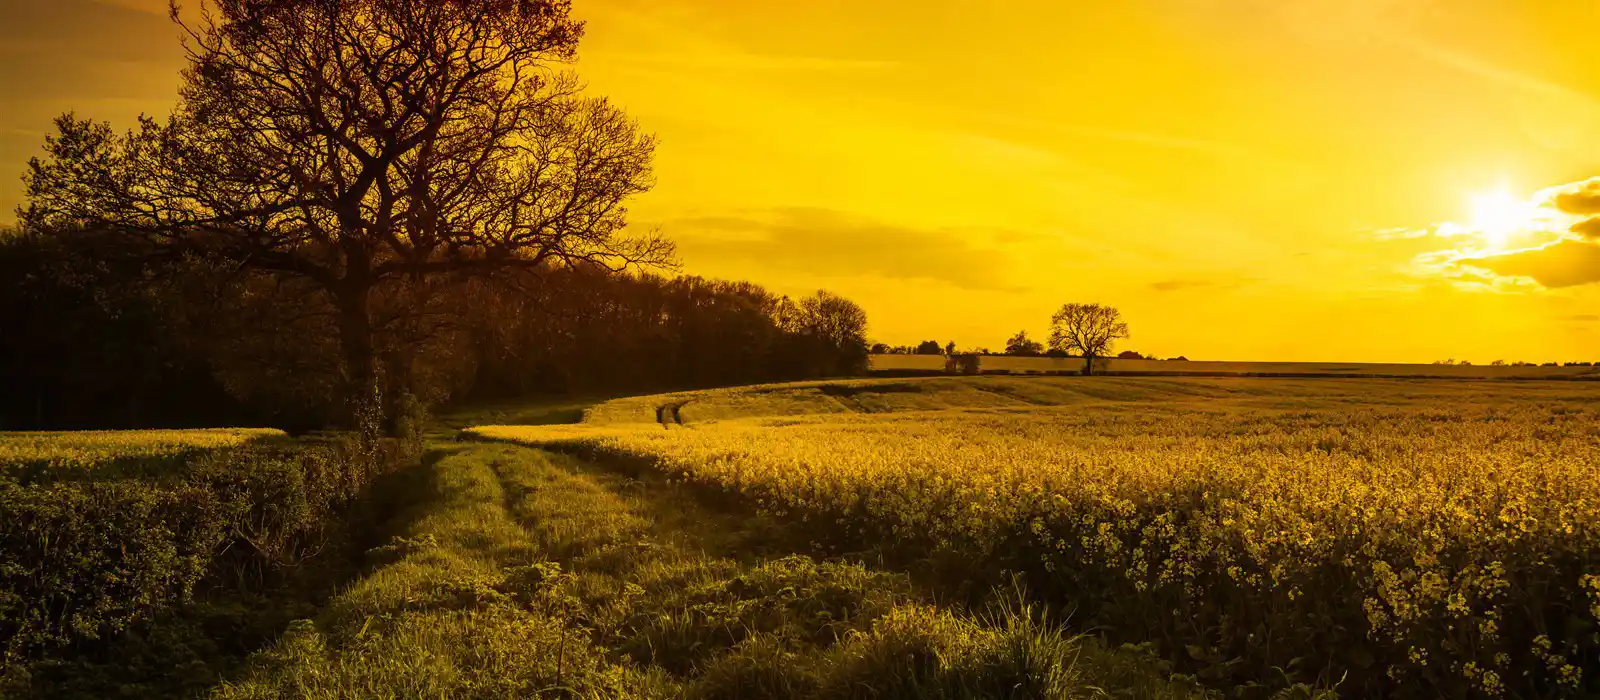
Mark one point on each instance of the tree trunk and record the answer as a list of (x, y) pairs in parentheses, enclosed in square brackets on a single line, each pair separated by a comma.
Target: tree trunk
[(1088, 365), (362, 397)]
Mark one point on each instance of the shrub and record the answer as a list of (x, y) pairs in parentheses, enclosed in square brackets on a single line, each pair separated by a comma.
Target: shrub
[(82, 559)]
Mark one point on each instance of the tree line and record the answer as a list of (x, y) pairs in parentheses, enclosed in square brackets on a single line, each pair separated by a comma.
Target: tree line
[(358, 207), (1089, 331), (100, 338)]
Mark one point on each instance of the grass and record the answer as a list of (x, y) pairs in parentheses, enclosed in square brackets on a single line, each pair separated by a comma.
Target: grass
[(1404, 537), (957, 538), (524, 573)]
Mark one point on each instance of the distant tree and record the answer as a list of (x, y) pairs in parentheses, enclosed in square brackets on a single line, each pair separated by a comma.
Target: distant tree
[(881, 349), (354, 145), (840, 328), (1021, 344), (1498, 363), (950, 349), (1129, 355), (929, 347), (1179, 358), (1091, 330)]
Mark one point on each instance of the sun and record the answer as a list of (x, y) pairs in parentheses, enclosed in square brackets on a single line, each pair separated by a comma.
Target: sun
[(1497, 216)]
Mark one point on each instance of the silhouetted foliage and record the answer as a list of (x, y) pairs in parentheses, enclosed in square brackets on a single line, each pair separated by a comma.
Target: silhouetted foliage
[(347, 147), (1091, 330), (929, 347), (1130, 355), (101, 340), (1021, 344), (85, 346)]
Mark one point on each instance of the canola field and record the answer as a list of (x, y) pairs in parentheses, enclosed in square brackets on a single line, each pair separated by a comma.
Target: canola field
[(1384, 537), (92, 449)]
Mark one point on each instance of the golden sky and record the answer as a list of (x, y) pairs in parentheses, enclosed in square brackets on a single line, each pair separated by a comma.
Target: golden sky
[(1380, 180)]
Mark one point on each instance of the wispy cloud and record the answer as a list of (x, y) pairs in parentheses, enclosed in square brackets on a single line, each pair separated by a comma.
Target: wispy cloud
[(743, 61), (1472, 65), (832, 243), (1178, 285)]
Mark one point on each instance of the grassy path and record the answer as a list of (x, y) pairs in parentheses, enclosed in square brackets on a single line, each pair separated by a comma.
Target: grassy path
[(524, 573)]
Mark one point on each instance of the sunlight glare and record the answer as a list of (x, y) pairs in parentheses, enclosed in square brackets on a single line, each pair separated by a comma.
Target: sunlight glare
[(1497, 216)]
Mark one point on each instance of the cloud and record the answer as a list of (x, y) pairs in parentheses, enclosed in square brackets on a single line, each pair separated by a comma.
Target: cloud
[(834, 243), (1588, 228), (1578, 198), (1565, 263), (1178, 285), (1582, 318), (45, 33), (1560, 245), (745, 61)]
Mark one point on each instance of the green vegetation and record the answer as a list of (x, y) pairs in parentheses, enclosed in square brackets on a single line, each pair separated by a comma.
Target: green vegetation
[(943, 537), (530, 574), (1388, 537), (101, 568)]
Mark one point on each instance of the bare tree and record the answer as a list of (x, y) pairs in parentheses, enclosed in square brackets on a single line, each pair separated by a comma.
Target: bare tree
[(360, 143), (1091, 330)]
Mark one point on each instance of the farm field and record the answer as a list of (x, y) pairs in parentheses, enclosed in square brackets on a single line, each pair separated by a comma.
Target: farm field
[(91, 449), (975, 537), (1382, 537), (259, 566), (1008, 364)]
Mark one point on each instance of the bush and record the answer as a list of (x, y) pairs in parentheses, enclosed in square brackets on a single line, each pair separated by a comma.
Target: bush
[(81, 560)]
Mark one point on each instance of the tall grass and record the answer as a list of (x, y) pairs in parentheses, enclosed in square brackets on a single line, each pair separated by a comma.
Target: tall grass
[(528, 574)]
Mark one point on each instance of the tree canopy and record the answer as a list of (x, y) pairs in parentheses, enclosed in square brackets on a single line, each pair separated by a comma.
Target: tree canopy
[(1021, 344), (356, 144)]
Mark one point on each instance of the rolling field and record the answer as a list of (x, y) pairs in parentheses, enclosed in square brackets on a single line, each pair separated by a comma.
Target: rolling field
[(1384, 537), (1007, 364), (92, 449)]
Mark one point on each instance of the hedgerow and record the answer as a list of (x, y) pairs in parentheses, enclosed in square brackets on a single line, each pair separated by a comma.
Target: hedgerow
[(82, 559)]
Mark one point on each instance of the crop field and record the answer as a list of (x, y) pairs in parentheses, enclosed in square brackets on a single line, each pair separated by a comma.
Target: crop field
[(1010, 364), (85, 450), (1378, 536)]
